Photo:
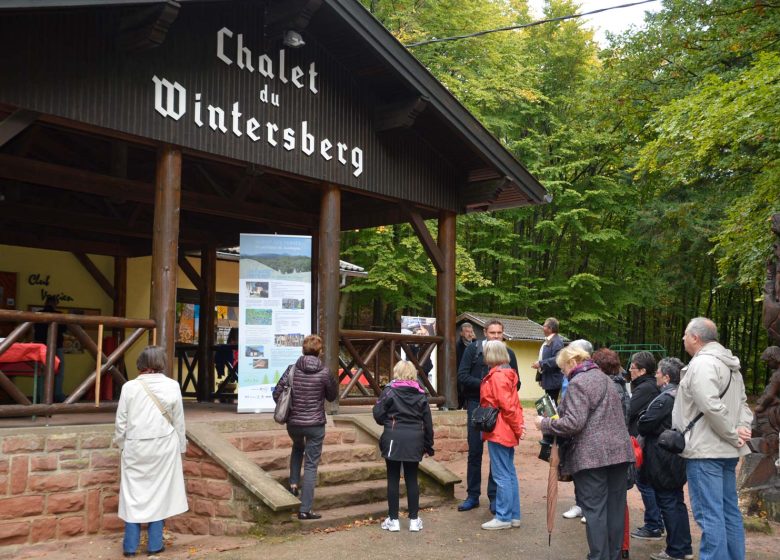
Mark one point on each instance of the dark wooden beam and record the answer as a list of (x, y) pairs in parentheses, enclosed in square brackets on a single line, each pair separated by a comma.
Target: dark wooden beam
[(165, 248), (120, 303), (15, 123), (328, 281), (98, 276), (426, 239), (146, 27), (39, 240), (77, 221), (190, 272), (243, 188), (446, 374), (400, 115), (79, 180), (206, 324)]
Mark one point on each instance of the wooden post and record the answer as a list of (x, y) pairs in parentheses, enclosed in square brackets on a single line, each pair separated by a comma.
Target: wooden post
[(165, 247), (98, 364), (328, 277), (51, 353), (446, 375), (208, 299), (120, 304)]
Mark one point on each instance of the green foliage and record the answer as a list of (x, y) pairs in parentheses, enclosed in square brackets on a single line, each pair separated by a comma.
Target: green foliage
[(660, 151)]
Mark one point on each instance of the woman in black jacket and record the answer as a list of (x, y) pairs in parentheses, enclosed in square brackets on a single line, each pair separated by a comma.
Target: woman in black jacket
[(403, 410), (312, 385), (643, 391), (665, 471)]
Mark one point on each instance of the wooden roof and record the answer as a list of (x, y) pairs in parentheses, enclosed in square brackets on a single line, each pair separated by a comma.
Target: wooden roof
[(66, 181)]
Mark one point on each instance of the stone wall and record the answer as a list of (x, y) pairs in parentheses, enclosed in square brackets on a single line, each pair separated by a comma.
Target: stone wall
[(57, 483), (450, 435), (63, 482)]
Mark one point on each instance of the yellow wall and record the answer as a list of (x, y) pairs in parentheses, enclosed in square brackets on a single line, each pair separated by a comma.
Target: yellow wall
[(527, 352), (66, 277)]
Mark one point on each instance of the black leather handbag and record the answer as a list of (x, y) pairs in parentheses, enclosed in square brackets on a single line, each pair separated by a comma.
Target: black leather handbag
[(484, 418)]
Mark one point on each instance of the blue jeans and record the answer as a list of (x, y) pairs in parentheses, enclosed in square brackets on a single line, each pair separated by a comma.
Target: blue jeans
[(474, 464), (133, 537), (712, 486), (675, 515), (502, 461), (653, 521)]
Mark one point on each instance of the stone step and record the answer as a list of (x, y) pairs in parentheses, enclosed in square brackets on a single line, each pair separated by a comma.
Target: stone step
[(343, 495), (278, 439), (370, 513), (339, 473), (276, 459)]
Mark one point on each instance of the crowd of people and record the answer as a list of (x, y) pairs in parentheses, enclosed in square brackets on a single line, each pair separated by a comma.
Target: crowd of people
[(603, 414)]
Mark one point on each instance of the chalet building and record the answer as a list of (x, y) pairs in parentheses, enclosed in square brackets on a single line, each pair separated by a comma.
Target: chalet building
[(138, 139)]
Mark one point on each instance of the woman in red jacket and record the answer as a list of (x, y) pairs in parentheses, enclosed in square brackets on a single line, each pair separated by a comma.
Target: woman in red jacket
[(499, 390)]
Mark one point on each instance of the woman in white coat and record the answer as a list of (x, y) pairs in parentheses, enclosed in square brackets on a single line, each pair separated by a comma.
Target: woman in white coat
[(150, 434)]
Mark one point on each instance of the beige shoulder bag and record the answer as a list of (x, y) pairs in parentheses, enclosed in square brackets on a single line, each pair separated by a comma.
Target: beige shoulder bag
[(156, 401)]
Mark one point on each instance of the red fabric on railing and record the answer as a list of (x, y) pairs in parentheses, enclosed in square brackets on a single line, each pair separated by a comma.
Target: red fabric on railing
[(19, 359)]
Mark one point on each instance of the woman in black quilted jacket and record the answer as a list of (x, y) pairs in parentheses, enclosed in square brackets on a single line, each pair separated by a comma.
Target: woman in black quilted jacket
[(663, 470), (403, 410), (312, 385)]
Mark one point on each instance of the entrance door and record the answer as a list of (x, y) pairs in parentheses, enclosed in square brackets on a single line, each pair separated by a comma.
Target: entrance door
[(7, 298)]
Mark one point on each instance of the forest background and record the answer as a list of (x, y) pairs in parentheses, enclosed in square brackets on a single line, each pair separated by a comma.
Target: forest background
[(660, 150)]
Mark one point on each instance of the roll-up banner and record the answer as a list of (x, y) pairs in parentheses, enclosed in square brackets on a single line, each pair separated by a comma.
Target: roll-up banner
[(274, 313)]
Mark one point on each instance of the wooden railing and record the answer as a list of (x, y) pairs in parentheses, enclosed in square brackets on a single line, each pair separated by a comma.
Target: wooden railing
[(371, 356), (75, 325), (186, 371)]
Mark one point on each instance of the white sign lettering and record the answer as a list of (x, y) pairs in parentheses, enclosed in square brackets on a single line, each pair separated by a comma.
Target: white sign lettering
[(171, 101)]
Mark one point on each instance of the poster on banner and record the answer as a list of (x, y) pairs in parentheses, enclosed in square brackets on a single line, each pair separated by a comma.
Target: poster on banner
[(274, 313), (424, 326)]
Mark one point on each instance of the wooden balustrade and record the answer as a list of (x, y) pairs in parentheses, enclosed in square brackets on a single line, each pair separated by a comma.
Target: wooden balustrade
[(371, 356), (75, 324)]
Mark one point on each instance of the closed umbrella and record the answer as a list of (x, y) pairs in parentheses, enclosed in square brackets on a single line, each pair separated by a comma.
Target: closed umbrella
[(552, 491)]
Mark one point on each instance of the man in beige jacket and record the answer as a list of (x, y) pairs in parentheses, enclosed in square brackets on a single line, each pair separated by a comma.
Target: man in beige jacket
[(716, 441)]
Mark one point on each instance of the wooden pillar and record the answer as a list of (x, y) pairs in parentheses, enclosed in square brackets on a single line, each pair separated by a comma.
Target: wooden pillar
[(165, 248), (446, 375), (206, 322), (120, 294), (328, 276)]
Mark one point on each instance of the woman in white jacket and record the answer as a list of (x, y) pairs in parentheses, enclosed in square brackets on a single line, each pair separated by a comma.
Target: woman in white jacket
[(150, 434)]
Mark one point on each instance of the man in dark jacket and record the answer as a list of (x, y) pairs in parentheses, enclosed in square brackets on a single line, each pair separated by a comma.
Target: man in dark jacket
[(643, 391), (470, 373), (466, 337), (665, 471), (549, 375)]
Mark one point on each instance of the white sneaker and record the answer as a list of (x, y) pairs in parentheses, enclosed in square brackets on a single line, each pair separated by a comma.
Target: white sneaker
[(391, 525), (496, 524), (415, 525), (515, 523), (574, 511), (583, 520)]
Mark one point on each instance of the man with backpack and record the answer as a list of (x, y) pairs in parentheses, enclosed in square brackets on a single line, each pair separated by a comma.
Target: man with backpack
[(470, 373)]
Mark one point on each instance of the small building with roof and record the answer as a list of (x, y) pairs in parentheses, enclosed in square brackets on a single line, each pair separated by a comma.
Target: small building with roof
[(522, 335)]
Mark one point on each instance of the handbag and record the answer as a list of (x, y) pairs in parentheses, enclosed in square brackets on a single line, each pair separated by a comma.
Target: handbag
[(673, 441), (284, 401), (638, 452), (565, 446), (484, 418)]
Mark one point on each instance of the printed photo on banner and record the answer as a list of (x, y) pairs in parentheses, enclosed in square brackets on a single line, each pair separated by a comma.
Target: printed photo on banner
[(275, 310)]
